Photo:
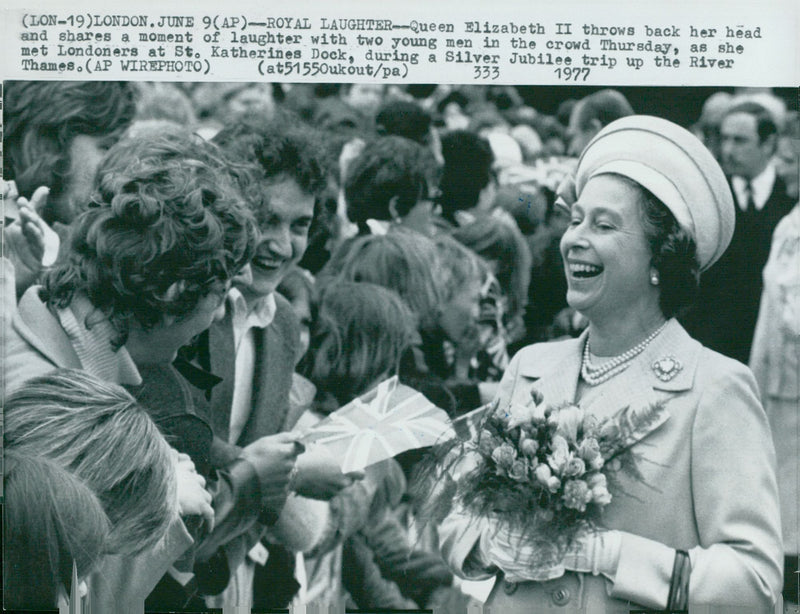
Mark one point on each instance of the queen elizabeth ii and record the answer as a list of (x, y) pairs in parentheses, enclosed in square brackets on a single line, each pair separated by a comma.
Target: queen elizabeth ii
[(650, 210)]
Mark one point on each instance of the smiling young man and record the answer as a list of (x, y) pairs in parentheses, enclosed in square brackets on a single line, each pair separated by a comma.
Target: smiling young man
[(280, 171), (251, 351)]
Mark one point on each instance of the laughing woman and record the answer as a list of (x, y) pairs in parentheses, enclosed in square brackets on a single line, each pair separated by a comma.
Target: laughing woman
[(650, 209)]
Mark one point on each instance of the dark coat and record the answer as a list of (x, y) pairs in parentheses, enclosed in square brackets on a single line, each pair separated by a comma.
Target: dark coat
[(725, 312)]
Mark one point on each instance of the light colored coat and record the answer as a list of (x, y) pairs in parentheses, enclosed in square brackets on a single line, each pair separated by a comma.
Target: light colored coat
[(775, 361), (35, 344), (709, 483)]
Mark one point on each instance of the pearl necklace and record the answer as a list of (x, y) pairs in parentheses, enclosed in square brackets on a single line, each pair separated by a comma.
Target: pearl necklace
[(594, 375)]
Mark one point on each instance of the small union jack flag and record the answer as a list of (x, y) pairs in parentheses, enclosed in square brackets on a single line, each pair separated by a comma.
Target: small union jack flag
[(382, 423)]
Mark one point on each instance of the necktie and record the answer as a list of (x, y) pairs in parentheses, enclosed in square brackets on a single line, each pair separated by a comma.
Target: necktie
[(749, 203)]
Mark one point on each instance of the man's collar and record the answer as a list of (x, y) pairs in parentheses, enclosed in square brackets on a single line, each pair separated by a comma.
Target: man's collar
[(257, 313), (762, 185)]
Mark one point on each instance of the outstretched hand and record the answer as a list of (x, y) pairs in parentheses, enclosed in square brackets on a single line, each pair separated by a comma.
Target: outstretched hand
[(274, 457), (319, 475)]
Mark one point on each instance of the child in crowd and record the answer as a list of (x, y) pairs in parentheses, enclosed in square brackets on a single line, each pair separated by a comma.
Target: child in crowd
[(360, 333), (497, 239), (92, 439), (51, 519)]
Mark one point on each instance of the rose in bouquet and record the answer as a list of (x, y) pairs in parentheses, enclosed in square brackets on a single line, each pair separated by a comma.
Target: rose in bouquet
[(543, 474)]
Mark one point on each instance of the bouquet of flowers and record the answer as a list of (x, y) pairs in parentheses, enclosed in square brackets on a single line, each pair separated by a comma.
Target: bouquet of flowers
[(542, 473)]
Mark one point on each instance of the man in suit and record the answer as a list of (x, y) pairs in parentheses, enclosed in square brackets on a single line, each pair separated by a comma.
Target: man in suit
[(725, 314)]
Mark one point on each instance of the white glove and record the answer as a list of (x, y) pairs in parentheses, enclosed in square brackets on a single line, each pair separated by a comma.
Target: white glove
[(520, 559), (595, 552)]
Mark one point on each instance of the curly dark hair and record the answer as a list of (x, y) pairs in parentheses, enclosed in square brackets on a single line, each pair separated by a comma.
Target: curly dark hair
[(41, 118), (265, 149), (674, 255), (165, 211)]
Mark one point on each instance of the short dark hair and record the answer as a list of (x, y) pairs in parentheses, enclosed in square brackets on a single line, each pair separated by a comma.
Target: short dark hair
[(164, 211), (387, 167), (765, 122), (41, 118), (605, 106), (673, 254), (468, 160), (404, 118)]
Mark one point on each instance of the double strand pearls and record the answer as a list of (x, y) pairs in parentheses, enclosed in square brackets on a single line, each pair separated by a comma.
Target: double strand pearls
[(594, 375)]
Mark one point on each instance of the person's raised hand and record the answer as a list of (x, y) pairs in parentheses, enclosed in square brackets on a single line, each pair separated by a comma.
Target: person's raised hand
[(29, 243)]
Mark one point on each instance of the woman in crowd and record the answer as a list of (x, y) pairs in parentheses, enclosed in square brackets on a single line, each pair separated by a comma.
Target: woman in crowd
[(775, 356), (409, 264), (650, 209), (97, 433), (392, 182), (497, 239)]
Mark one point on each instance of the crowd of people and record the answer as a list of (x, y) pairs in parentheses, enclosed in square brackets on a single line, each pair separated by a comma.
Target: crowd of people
[(194, 275)]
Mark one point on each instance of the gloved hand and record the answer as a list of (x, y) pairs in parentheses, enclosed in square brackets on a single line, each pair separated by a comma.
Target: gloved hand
[(520, 558), (524, 558), (595, 552)]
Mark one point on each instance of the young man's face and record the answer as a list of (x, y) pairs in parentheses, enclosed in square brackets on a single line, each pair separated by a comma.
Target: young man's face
[(284, 219), (160, 344)]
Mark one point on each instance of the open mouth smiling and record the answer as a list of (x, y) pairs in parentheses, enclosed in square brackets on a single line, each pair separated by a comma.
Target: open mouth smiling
[(584, 270), (267, 264)]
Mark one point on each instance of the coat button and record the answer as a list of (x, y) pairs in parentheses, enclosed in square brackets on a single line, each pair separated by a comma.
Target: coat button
[(510, 587), (561, 596)]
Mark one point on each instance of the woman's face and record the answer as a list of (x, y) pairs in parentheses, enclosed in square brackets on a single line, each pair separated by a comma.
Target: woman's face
[(459, 318), (606, 255), (422, 216)]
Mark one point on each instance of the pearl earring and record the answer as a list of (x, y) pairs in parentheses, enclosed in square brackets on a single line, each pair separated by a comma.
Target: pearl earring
[(654, 278)]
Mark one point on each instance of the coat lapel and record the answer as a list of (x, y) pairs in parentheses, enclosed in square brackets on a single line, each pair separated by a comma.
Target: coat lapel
[(37, 325), (273, 371), (222, 359), (553, 370), (556, 375)]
